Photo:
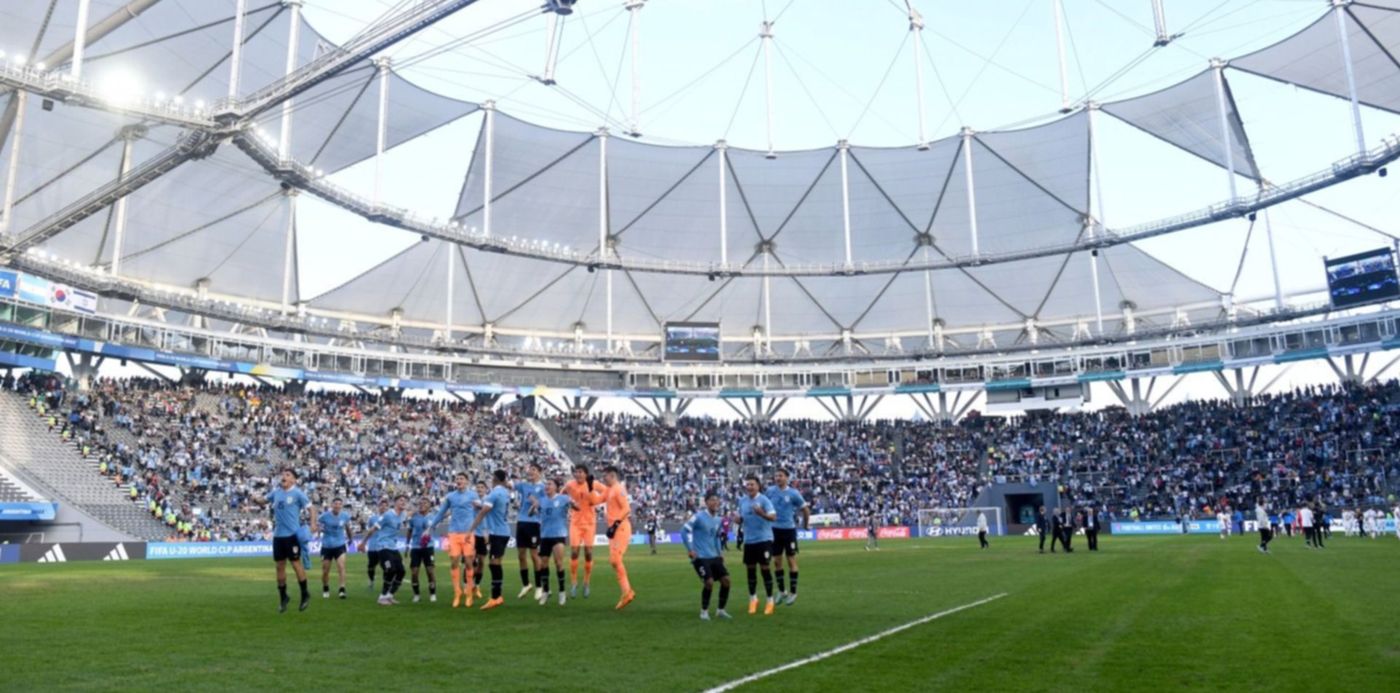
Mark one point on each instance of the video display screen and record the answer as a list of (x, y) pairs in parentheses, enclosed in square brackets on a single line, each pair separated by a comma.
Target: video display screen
[(1362, 278), (692, 341)]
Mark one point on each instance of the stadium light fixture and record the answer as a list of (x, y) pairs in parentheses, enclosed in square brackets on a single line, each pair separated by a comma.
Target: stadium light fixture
[(20, 60)]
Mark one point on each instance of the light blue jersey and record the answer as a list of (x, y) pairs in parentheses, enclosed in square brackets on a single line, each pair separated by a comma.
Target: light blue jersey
[(333, 529), (417, 525), (786, 502), (756, 529), (555, 512), (462, 506), (304, 541), (499, 502), (524, 491), (286, 510), (386, 530), (701, 534)]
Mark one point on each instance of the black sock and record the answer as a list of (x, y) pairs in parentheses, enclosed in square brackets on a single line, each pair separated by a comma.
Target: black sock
[(542, 579), (524, 577), (304, 591), (432, 585), (768, 583), (415, 586), (560, 573), (723, 595), (705, 598), (782, 581), (497, 574), (793, 588), (753, 581), (282, 589), (325, 586)]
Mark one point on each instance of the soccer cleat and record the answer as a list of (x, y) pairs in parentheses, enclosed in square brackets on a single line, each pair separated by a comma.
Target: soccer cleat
[(626, 599), (753, 605), (456, 600), (384, 600), (723, 614), (704, 615), (342, 593), (791, 599), (477, 590), (392, 600), (573, 590), (432, 598), (768, 608), (325, 594), (493, 603), (282, 607), (524, 591), (561, 598), (587, 589), (415, 599), (305, 602), (543, 597), (470, 599)]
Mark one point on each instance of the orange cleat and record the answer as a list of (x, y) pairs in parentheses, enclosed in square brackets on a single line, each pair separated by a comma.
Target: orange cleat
[(768, 610), (626, 599), (493, 604), (753, 606), (457, 600), (477, 591)]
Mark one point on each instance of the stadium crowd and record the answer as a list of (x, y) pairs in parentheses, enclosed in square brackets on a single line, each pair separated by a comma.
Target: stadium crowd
[(201, 457)]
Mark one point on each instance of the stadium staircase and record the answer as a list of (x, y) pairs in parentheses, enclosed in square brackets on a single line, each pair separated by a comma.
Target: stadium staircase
[(556, 437), (14, 490), (45, 458)]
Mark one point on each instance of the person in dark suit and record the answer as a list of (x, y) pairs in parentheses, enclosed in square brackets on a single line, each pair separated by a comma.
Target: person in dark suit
[(1074, 519), (1042, 526), (1057, 529), (1092, 525)]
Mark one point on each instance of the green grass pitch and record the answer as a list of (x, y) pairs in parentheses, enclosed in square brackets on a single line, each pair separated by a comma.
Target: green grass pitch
[(1146, 613)]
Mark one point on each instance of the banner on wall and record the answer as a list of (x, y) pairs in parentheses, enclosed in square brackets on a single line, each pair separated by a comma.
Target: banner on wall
[(9, 283), (34, 289), (68, 298)]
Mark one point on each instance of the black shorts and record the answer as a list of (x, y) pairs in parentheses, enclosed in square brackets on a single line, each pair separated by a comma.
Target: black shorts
[(330, 553), (756, 552), (286, 548), (527, 535), (480, 545), (547, 545), (710, 568), (423, 556), (390, 559), (784, 542), (498, 545)]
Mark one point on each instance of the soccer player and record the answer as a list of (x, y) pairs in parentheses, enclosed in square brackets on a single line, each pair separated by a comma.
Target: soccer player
[(724, 529), (462, 505), (369, 545), (1305, 516), (756, 516), (287, 503), (493, 516), (872, 535), (554, 535), (583, 526), (982, 529), (420, 553), (1395, 515), (1266, 533), (480, 540), (786, 502), (386, 530), (529, 494), (335, 527), (618, 508), (701, 537)]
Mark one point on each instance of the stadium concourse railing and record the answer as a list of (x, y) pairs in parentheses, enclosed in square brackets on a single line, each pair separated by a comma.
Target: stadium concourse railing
[(308, 178), (36, 334)]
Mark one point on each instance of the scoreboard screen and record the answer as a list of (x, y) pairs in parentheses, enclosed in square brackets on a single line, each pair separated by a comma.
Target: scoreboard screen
[(692, 341), (1362, 278)]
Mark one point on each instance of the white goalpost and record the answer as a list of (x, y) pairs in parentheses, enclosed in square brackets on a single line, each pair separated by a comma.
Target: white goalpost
[(959, 522)]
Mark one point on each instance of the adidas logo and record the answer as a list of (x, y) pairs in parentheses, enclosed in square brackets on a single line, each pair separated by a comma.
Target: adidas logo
[(54, 555), (117, 554)]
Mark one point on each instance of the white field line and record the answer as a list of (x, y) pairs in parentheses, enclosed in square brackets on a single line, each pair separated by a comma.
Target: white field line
[(850, 645)]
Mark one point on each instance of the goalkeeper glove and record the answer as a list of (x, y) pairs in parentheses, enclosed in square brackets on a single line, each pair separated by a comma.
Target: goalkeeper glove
[(590, 482), (612, 528)]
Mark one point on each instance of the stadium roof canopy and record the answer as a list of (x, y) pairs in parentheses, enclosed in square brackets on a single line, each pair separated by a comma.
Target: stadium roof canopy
[(599, 238)]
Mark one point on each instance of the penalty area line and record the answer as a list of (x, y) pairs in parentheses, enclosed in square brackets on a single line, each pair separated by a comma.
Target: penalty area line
[(850, 645)]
